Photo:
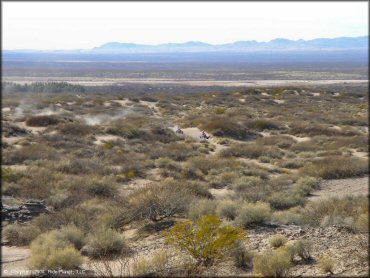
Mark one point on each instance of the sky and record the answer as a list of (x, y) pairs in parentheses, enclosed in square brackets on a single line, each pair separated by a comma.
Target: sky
[(84, 25)]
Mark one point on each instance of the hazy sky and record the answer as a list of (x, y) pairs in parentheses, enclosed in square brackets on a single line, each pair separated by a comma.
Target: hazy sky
[(65, 25)]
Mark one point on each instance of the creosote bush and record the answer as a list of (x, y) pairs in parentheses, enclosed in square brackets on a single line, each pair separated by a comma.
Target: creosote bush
[(206, 240), (20, 235)]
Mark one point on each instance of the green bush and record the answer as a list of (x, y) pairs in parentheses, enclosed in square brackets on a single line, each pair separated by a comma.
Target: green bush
[(105, 242), (20, 235), (50, 252), (272, 264), (257, 213), (206, 240), (277, 241), (285, 200)]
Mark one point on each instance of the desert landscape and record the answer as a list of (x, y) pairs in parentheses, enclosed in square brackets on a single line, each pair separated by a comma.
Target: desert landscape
[(186, 139)]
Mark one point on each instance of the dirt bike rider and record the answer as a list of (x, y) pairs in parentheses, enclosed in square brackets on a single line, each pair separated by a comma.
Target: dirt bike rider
[(204, 135)]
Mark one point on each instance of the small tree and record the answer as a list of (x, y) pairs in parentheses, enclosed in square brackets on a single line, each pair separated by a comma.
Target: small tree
[(205, 240)]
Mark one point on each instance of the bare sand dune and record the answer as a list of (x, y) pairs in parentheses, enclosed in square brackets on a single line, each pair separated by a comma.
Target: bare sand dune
[(341, 188)]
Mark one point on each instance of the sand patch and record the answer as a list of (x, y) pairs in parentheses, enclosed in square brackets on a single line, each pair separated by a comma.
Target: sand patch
[(101, 139), (341, 188)]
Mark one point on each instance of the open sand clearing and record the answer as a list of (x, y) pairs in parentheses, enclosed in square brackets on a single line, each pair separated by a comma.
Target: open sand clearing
[(14, 261), (341, 188)]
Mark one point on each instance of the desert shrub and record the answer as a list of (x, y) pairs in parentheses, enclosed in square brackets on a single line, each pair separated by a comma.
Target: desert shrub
[(277, 241), (285, 200), (9, 175), (335, 211), (262, 124), (159, 263), (242, 257), (305, 185), (78, 166), (105, 187), (336, 167), (160, 201), (206, 240), (202, 207), (167, 163), (50, 252), (290, 216), (326, 264), (362, 223), (292, 163), (174, 150), (225, 127), (105, 242), (32, 152), (247, 183), (251, 150), (302, 248), (73, 235), (227, 209), (76, 129), (206, 164), (272, 264), (41, 121), (220, 110), (20, 235), (257, 213), (274, 140)]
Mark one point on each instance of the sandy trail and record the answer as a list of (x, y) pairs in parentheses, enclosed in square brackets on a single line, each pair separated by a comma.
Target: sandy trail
[(341, 188), (14, 261)]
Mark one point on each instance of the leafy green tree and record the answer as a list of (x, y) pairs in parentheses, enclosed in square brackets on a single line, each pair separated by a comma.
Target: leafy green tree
[(205, 240)]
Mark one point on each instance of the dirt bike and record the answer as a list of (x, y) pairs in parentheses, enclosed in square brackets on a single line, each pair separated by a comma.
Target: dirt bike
[(179, 131), (204, 137)]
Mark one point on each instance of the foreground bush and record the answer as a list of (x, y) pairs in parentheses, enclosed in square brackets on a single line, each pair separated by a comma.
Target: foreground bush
[(105, 242), (336, 167), (50, 252), (272, 264), (205, 240)]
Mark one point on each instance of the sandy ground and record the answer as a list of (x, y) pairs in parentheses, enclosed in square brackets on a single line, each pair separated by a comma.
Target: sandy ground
[(14, 260), (341, 188), (157, 81)]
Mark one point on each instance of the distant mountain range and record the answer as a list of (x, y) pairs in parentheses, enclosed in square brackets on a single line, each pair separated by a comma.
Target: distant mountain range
[(279, 44)]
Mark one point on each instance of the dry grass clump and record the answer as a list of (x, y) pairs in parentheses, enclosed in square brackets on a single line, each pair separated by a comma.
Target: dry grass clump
[(319, 129), (41, 121), (175, 151), (160, 264), (285, 200), (205, 164), (277, 241), (242, 257), (336, 167), (20, 235), (49, 251)]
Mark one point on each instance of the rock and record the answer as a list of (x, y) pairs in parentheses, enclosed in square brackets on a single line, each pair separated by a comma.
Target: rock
[(24, 212)]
